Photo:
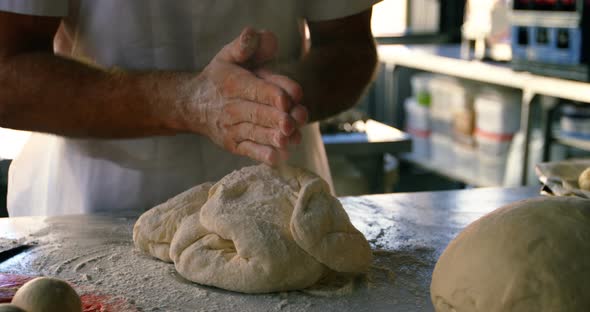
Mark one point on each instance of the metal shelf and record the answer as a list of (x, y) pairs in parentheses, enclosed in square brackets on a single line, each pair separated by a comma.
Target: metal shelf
[(446, 60), (572, 142)]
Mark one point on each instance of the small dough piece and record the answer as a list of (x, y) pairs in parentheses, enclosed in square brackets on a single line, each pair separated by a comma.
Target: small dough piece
[(532, 255), (154, 230), (7, 307), (47, 294), (584, 180), (260, 230)]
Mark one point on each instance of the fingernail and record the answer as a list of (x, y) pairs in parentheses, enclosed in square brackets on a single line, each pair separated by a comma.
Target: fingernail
[(248, 41), (300, 115), (280, 140), (272, 159), (287, 128)]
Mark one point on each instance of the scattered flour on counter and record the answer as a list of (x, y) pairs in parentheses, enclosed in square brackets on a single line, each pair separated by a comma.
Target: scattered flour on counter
[(336, 285), (111, 266)]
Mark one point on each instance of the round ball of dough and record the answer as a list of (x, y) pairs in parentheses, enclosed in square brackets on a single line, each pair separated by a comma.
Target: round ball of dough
[(7, 307), (532, 255), (584, 180), (46, 294)]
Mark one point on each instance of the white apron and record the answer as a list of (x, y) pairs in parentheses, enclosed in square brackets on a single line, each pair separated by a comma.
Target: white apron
[(55, 175)]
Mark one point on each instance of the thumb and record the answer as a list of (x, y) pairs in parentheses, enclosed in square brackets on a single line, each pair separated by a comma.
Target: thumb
[(268, 46), (242, 48)]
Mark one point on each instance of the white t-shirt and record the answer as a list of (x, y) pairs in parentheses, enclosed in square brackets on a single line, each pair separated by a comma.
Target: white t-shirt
[(55, 175)]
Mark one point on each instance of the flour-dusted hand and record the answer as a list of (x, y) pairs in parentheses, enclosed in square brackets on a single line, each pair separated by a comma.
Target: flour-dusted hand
[(247, 111)]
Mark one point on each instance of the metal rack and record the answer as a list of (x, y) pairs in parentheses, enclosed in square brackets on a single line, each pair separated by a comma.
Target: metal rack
[(445, 59)]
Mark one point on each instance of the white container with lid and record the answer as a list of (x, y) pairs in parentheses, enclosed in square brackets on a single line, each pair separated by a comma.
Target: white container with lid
[(492, 143), (421, 147), (448, 96), (421, 88), (497, 110), (466, 163), (417, 116), (442, 150)]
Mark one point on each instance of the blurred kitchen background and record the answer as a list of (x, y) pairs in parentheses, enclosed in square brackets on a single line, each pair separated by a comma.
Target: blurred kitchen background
[(468, 94)]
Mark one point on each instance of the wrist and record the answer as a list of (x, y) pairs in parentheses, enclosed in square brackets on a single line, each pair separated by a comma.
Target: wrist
[(173, 101)]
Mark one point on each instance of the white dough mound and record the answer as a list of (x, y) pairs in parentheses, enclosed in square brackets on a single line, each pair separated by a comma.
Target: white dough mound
[(257, 230), (533, 255)]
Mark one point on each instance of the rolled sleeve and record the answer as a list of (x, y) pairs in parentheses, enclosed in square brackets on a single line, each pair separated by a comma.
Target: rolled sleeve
[(36, 7), (320, 10)]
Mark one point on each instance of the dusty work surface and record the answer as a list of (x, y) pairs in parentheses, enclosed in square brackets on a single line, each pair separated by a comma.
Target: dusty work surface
[(407, 232)]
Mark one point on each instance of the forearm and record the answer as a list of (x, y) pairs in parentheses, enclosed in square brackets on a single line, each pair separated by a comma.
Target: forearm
[(227, 102), (47, 93), (334, 77)]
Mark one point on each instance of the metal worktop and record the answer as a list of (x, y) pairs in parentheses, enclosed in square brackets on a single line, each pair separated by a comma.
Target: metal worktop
[(407, 232)]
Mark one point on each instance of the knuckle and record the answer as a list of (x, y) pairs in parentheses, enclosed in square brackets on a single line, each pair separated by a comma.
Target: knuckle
[(257, 93), (270, 156), (230, 84), (284, 122), (252, 114), (279, 140), (265, 93), (256, 112), (283, 101), (250, 92), (240, 149), (251, 133), (229, 113), (227, 110), (283, 119)]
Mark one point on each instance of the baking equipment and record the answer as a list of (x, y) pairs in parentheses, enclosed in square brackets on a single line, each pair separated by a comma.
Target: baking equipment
[(551, 37)]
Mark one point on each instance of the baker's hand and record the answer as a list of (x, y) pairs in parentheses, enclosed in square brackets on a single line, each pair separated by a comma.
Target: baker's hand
[(247, 110)]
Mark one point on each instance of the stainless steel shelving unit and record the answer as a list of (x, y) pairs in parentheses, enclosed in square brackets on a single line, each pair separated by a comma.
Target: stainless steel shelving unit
[(445, 59)]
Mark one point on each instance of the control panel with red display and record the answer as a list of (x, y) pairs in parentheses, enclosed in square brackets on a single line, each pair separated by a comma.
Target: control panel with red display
[(551, 37), (545, 5)]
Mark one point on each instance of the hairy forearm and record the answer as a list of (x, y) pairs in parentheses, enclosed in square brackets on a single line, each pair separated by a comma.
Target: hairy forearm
[(334, 77), (47, 93)]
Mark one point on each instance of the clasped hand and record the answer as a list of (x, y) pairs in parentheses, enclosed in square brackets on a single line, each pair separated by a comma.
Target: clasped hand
[(246, 108)]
